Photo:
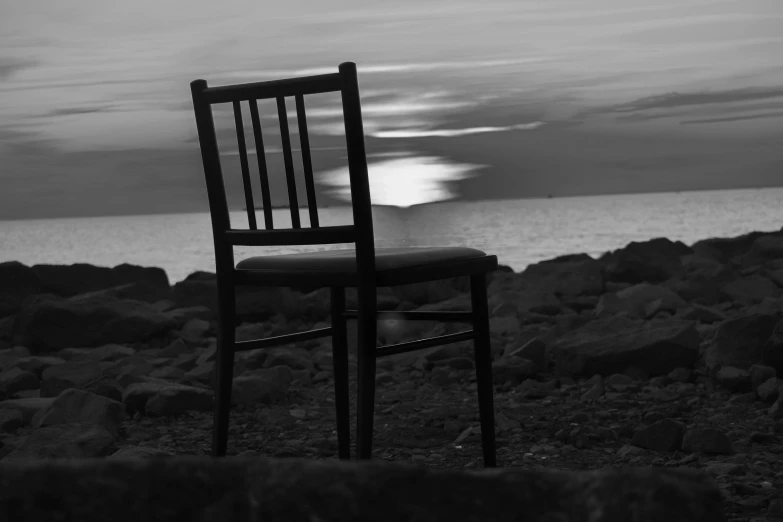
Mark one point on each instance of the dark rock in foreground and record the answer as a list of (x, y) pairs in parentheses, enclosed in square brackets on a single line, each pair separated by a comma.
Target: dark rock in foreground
[(242, 489)]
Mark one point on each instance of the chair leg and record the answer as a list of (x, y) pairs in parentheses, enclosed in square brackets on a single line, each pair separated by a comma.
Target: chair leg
[(481, 345), (366, 345), (340, 361), (224, 370)]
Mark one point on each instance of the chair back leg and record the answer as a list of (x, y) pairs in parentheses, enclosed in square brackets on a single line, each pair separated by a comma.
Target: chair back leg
[(340, 363), (224, 366), (366, 348), (483, 356)]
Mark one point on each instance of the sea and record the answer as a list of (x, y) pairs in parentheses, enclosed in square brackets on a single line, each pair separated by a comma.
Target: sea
[(518, 231)]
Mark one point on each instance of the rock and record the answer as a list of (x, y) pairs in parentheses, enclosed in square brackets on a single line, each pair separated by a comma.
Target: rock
[(10, 420), (16, 380), (705, 314), (47, 323), (80, 278), (428, 292), (294, 358), (36, 364), (772, 353), (166, 399), (664, 435), (740, 341), (514, 369), (17, 283), (707, 440), (532, 301), (183, 315), (608, 346), (701, 284), (760, 373), (27, 406), (64, 441), (138, 452), (769, 390), (651, 261), (635, 300), (765, 248), (534, 350), (194, 330), (577, 275), (726, 249), (77, 374), (132, 292), (261, 386), (292, 490), (734, 379), (255, 303), (751, 290), (77, 406)]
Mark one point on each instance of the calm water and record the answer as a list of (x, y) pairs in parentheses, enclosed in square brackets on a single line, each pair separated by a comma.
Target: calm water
[(519, 232)]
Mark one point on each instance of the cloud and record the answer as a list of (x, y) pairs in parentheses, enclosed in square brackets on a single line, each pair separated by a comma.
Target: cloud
[(733, 118), (450, 133), (10, 66), (74, 111), (677, 99)]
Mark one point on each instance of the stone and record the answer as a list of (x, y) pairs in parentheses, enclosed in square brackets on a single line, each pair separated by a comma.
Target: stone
[(707, 440), (17, 283), (635, 299), (769, 390), (740, 341), (650, 261), (734, 379), (10, 420), (261, 386), (47, 323), (183, 315), (165, 399), (138, 452), (534, 350), (294, 358), (64, 441), (607, 346), (772, 353), (751, 290), (36, 364), (663, 435), (27, 407), (760, 373), (194, 330), (245, 489), (726, 249), (576, 275), (80, 278), (76, 374), (132, 292), (16, 380), (77, 406), (514, 369), (705, 314)]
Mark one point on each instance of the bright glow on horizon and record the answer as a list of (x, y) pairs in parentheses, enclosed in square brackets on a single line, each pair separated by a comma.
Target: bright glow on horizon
[(404, 182)]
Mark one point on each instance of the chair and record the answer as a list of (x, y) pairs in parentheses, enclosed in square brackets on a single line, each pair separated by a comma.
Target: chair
[(363, 267)]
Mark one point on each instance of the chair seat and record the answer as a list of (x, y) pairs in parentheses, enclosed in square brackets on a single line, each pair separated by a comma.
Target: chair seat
[(341, 263)]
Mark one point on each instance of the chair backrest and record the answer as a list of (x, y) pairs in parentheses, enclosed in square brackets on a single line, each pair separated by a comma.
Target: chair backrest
[(360, 232)]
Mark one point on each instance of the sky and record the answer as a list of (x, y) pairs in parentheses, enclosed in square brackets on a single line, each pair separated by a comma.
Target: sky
[(461, 99)]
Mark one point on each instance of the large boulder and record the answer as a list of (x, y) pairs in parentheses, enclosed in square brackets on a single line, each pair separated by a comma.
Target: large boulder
[(49, 323), (772, 353), (652, 261), (701, 280), (258, 303), (17, 282), (740, 341), (638, 300), (612, 345), (724, 249), (78, 440), (751, 290), (572, 275), (80, 278), (763, 250)]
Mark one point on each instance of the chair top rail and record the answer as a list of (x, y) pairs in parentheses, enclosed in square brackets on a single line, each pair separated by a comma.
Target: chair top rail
[(274, 88)]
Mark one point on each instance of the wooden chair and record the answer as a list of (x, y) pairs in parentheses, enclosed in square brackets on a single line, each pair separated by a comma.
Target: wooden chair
[(365, 267)]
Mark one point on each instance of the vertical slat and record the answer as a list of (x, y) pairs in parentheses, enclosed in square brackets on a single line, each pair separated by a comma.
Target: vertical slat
[(266, 197), (251, 211), (304, 139), (289, 162)]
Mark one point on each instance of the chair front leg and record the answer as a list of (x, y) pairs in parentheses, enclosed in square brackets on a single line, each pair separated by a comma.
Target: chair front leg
[(224, 366), (340, 363), (366, 348), (483, 355)]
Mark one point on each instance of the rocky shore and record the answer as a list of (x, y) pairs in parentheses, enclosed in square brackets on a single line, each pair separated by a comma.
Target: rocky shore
[(657, 354)]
